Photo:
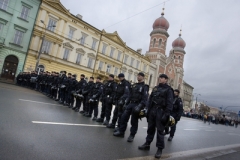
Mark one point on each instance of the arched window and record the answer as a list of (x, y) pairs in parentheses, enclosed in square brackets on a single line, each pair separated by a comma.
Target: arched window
[(40, 68), (174, 57), (154, 41), (179, 57), (159, 43)]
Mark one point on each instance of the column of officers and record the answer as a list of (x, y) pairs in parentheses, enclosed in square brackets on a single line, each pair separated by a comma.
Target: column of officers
[(163, 108)]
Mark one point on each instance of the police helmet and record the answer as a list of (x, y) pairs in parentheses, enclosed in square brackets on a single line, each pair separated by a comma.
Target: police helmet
[(171, 122), (142, 113)]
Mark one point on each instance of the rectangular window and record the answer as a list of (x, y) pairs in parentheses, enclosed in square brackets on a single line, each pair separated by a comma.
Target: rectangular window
[(79, 57), (112, 51), (83, 38), (4, 4), (24, 13), (90, 61), (119, 55), (18, 37), (132, 60), (144, 67), (125, 59), (100, 65), (46, 47), (129, 76), (116, 71), (108, 68), (65, 55), (94, 44), (104, 48), (51, 24), (137, 64), (70, 34)]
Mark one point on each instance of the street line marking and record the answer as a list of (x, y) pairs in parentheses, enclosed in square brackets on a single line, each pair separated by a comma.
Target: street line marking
[(145, 127), (210, 130), (39, 102), (67, 124), (205, 126), (191, 129)]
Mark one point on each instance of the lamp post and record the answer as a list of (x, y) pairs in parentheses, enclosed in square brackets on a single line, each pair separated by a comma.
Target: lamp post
[(40, 51)]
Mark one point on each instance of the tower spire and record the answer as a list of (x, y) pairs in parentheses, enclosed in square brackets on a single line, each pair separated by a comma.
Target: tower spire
[(163, 9), (180, 31)]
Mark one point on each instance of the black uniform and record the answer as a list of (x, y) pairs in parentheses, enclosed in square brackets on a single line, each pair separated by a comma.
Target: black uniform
[(94, 96), (63, 82), (79, 88), (121, 94), (85, 92), (176, 113), (19, 79), (160, 105), (137, 100), (107, 100), (72, 87), (54, 87)]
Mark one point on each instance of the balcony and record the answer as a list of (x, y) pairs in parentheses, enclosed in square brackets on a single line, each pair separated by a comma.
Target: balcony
[(2, 40)]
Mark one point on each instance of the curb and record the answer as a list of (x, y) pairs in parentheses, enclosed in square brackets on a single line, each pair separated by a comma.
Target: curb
[(198, 154)]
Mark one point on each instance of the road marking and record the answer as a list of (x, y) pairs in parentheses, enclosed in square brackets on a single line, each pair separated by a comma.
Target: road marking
[(67, 124), (205, 126), (191, 129), (210, 130), (145, 127), (39, 102)]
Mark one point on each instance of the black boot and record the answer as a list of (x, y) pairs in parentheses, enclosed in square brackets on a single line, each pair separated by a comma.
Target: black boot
[(111, 125), (94, 118), (118, 134), (74, 108), (116, 129), (130, 138), (145, 146), (170, 138), (99, 120), (105, 123), (81, 112), (159, 153)]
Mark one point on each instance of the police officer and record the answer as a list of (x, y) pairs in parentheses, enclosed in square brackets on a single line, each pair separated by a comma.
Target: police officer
[(176, 113), (121, 94), (136, 101), (160, 105), (54, 87), (107, 100), (63, 81), (67, 84), (80, 100), (85, 91), (72, 88), (94, 96)]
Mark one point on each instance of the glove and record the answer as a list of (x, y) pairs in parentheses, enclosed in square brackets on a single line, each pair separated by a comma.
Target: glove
[(138, 108), (94, 96), (165, 117), (91, 100)]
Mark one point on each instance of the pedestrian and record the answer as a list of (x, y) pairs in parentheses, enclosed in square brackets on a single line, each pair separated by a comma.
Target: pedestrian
[(136, 101), (160, 104), (175, 113)]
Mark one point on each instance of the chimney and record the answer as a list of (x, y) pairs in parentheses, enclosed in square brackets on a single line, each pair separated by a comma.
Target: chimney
[(139, 50), (79, 16)]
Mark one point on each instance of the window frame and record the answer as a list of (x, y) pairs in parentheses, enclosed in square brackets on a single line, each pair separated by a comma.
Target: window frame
[(94, 44), (22, 12), (116, 71), (132, 61), (5, 3), (104, 48), (119, 55), (46, 46), (111, 52), (100, 65), (66, 54), (51, 22), (83, 38), (16, 41), (78, 60), (126, 58), (137, 64), (108, 69), (159, 43), (71, 33), (90, 61)]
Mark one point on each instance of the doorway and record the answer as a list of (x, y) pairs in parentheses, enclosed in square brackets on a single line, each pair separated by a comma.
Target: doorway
[(9, 67)]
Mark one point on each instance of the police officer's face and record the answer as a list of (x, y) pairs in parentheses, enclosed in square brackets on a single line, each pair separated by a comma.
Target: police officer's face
[(110, 78), (121, 78), (140, 78), (175, 93), (98, 80), (90, 80), (162, 80), (82, 77)]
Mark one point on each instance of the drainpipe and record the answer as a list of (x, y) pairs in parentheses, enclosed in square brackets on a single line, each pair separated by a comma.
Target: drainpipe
[(97, 54), (31, 35)]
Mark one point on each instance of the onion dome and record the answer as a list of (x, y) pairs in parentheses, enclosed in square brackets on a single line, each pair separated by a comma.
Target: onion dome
[(179, 42), (161, 22)]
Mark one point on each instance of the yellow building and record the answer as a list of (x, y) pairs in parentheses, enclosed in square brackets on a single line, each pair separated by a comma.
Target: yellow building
[(79, 48)]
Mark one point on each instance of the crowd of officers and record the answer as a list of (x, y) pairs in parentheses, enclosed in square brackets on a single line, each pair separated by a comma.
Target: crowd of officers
[(129, 100)]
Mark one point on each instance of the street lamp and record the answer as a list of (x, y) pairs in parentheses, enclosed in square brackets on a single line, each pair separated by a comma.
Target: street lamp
[(40, 52), (197, 96)]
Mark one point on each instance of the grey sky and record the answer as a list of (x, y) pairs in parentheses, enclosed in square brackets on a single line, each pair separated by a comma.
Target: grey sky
[(210, 30)]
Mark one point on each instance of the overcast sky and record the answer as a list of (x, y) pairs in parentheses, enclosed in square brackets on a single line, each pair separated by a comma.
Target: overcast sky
[(211, 30)]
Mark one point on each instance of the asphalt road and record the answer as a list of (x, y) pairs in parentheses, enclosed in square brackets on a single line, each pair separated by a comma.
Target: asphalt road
[(24, 133)]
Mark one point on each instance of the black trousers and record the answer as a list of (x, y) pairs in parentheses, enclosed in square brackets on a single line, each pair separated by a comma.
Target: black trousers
[(93, 107), (117, 114), (125, 117), (106, 109), (79, 103), (154, 121), (173, 129)]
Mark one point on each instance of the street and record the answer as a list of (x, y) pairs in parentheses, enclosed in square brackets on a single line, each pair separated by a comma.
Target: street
[(36, 127)]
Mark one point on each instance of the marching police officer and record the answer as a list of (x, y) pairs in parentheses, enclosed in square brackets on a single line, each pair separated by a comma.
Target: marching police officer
[(136, 101), (107, 100), (176, 113), (160, 105), (79, 100), (94, 96), (121, 94), (85, 91)]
